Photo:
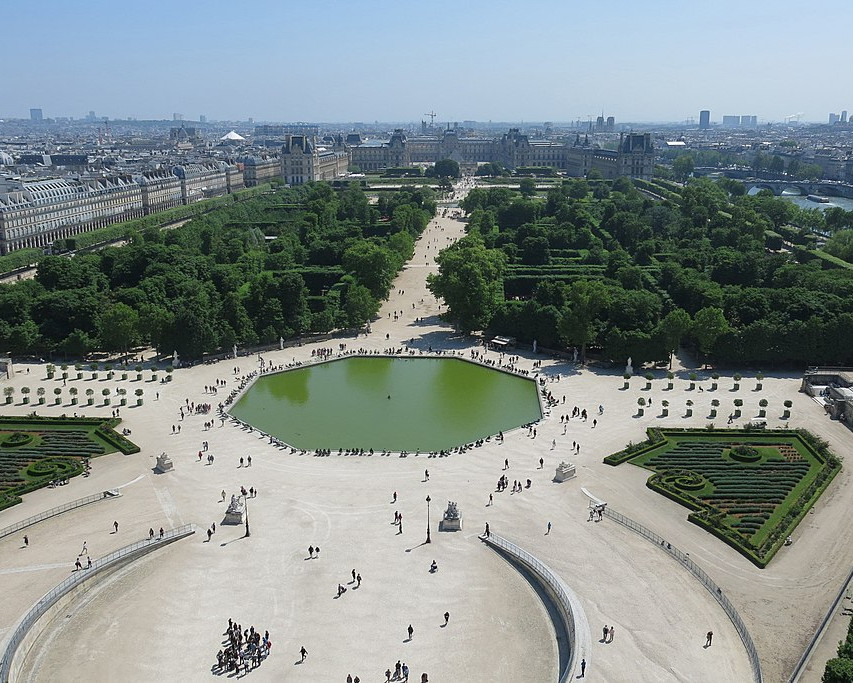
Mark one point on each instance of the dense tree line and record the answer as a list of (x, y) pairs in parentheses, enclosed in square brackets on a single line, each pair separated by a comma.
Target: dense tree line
[(603, 266), (305, 259)]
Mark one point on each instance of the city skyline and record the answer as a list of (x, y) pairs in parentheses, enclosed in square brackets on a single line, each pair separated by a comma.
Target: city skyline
[(370, 61)]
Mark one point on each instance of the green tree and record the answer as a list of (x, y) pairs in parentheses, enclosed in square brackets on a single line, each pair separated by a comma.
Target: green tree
[(469, 280), (584, 301), (447, 168), (673, 327), (709, 324), (682, 167), (372, 265), (118, 327), (527, 187), (360, 306)]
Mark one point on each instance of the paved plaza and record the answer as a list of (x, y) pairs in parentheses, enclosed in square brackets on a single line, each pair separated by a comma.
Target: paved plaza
[(164, 616)]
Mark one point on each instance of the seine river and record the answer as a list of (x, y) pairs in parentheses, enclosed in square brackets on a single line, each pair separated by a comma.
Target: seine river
[(843, 202)]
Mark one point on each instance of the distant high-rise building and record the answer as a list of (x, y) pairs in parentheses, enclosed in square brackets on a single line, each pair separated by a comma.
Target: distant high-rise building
[(844, 116), (91, 116), (177, 117), (731, 120), (704, 119), (833, 118), (748, 121), (202, 118), (35, 115), (611, 123)]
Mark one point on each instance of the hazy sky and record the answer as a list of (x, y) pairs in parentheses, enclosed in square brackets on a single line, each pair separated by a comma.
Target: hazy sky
[(365, 60)]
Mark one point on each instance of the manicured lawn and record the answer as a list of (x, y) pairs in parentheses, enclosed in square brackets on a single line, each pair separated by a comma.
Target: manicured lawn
[(35, 451), (752, 499)]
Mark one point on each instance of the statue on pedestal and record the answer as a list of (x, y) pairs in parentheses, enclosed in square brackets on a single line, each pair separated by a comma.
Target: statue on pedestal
[(234, 513), (164, 463), (452, 518), (629, 368), (281, 343), (234, 350), (564, 471)]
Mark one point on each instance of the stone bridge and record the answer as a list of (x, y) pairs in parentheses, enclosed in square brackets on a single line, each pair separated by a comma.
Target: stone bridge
[(826, 188)]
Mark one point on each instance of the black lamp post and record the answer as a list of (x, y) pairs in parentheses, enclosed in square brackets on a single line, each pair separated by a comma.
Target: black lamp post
[(428, 540), (246, 502)]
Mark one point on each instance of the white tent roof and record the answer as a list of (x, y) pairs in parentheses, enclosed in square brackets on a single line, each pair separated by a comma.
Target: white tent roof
[(232, 136)]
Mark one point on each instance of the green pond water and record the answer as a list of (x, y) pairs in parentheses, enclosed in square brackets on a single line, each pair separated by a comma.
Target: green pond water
[(434, 404)]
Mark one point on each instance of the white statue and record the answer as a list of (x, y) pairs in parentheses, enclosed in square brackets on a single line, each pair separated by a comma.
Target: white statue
[(629, 368), (281, 343), (175, 360), (574, 354), (535, 346), (234, 350)]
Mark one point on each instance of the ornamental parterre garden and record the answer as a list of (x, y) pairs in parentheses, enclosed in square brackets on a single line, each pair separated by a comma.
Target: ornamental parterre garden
[(35, 451), (748, 488)]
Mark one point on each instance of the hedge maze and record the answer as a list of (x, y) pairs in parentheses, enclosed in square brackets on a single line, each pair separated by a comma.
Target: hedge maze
[(35, 451), (750, 489)]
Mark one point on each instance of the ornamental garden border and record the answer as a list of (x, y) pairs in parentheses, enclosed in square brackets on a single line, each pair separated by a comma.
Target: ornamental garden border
[(751, 498), (36, 450)]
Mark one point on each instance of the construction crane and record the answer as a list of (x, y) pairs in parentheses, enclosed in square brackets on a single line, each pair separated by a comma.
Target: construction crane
[(432, 116)]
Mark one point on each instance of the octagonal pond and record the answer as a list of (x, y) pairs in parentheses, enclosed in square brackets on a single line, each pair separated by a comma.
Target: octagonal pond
[(396, 404)]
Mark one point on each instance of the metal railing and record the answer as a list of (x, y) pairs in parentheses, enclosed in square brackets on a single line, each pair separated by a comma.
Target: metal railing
[(52, 512), (684, 559), (558, 587), (77, 578), (807, 653)]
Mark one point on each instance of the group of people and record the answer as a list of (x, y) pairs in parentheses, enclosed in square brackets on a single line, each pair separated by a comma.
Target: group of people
[(244, 649)]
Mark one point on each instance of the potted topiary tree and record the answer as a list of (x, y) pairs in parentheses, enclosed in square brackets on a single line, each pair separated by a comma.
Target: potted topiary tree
[(139, 393), (715, 377), (40, 393), (689, 412), (649, 377), (138, 369), (94, 368), (669, 376), (51, 370), (738, 404), (737, 379), (787, 412), (79, 369), (714, 405), (763, 404), (58, 393), (26, 392), (627, 378), (759, 378), (665, 409), (73, 392), (106, 394), (642, 403), (169, 371), (90, 393), (109, 369), (692, 380), (64, 371), (153, 374), (9, 392), (123, 394)]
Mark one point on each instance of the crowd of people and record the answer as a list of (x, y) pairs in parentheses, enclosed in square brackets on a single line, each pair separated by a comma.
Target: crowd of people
[(243, 649)]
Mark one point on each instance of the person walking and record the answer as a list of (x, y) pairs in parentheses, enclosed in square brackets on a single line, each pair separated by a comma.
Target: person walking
[(610, 635), (604, 633), (708, 638), (487, 530), (26, 541), (583, 668), (411, 631), (115, 526), (549, 529), (446, 618), (303, 652)]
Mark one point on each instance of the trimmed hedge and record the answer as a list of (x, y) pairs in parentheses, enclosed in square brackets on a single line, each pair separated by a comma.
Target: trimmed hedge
[(674, 477)]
